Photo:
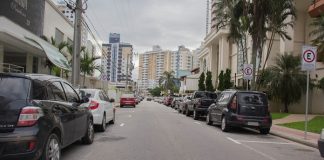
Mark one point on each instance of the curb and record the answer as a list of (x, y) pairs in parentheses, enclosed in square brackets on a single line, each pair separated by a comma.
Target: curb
[(310, 144)]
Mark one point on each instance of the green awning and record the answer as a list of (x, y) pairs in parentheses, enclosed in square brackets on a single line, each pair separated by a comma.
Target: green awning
[(53, 54)]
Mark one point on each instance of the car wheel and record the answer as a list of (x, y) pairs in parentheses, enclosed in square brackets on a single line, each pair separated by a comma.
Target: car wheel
[(89, 136), (208, 119), (264, 131), (102, 127), (224, 126), (195, 115), (52, 149), (113, 120)]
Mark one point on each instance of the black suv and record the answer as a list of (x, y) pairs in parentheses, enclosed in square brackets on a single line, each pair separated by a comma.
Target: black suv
[(241, 109), (39, 115), (200, 102)]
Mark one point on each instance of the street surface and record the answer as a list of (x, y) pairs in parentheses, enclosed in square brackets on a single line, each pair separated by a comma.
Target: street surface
[(153, 131)]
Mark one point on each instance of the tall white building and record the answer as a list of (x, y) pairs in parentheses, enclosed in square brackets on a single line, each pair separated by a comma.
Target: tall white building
[(181, 60)]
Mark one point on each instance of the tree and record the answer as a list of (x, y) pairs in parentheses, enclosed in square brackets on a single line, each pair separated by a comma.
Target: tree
[(318, 33), (155, 91), (166, 80), (201, 82), (88, 65), (221, 86), (287, 83), (227, 79), (209, 82), (321, 84)]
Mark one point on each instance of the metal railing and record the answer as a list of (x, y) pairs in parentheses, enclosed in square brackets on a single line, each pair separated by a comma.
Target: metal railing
[(11, 68)]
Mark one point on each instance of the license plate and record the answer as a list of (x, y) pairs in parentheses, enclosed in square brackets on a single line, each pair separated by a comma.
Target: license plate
[(253, 124)]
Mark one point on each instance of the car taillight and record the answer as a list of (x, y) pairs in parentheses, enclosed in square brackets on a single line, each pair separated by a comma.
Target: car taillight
[(29, 116), (93, 105)]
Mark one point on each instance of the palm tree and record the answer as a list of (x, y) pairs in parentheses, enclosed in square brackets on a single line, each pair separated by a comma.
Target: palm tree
[(318, 33), (88, 65), (167, 78), (287, 83)]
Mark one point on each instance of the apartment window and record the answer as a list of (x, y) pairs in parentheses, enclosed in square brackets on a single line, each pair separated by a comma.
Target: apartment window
[(59, 35)]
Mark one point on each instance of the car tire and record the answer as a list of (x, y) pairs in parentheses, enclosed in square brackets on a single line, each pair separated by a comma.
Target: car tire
[(224, 126), (52, 148), (102, 127), (120, 106), (195, 115), (113, 120), (208, 119), (89, 135), (264, 131)]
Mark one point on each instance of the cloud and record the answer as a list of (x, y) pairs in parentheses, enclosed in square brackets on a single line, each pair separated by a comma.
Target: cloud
[(144, 23)]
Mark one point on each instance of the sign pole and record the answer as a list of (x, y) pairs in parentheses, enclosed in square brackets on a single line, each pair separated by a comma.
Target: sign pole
[(306, 112)]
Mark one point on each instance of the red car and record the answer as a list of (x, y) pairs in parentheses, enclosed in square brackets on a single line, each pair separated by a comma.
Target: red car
[(128, 100), (168, 100)]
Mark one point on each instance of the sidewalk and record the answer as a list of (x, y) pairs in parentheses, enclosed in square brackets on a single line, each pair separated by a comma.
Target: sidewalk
[(293, 134)]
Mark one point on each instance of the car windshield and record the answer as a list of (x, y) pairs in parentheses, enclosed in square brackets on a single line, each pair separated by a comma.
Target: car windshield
[(14, 88), (209, 95), (252, 98), (84, 93)]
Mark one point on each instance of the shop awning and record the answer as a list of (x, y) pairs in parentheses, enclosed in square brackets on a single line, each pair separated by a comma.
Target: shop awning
[(52, 53)]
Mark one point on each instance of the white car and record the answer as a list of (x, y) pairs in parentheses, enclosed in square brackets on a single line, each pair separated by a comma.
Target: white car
[(101, 107)]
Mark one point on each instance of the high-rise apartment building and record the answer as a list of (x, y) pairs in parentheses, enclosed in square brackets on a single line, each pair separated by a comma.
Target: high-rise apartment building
[(181, 60), (152, 65), (117, 60)]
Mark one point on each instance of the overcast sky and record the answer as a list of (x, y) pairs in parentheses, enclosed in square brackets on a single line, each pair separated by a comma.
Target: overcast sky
[(144, 23)]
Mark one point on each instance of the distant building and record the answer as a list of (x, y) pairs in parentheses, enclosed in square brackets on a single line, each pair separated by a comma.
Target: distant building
[(181, 60), (117, 60)]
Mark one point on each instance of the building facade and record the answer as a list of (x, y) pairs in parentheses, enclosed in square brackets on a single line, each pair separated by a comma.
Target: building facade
[(117, 60), (181, 60)]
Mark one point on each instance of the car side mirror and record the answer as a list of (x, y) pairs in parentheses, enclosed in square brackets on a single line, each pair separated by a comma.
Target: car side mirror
[(112, 100)]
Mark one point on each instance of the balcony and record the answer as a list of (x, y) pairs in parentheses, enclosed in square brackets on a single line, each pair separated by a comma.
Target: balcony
[(316, 9)]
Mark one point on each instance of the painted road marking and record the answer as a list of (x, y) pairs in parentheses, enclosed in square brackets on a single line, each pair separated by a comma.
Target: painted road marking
[(245, 141), (263, 154), (122, 124), (197, 123), (233, 140)]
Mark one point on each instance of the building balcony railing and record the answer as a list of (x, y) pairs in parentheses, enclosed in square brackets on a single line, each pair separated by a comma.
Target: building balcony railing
[(11, 68), (316, 8)]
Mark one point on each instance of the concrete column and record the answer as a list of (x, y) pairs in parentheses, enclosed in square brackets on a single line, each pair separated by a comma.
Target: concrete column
[(29, 63), (1, 57)]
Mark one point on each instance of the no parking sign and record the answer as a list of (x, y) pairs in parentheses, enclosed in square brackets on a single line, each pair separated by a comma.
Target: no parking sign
[(309, 58)]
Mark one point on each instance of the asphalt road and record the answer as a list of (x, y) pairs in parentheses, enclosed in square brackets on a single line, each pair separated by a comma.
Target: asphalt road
[(152, 131)]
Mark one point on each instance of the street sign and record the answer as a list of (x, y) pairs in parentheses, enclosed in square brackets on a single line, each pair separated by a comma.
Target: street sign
[(309, 58), (248, 71)]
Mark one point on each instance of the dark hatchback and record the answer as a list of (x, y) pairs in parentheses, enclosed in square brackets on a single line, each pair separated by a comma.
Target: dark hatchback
[(241, 109), (40, 115)]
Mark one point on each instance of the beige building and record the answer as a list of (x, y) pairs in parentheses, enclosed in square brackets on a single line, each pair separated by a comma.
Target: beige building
[(218, 53), (181, 60), (152, 65)]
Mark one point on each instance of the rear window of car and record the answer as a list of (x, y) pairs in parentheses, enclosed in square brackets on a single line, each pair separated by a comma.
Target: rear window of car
[(14, 88), (252, 98), (128, 96), (83, 93), (206, 95)]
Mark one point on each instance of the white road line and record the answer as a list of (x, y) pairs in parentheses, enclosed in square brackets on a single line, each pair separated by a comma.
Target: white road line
[(197, 123), (122, 124), (265, 142), (233, 140), (263, 154)]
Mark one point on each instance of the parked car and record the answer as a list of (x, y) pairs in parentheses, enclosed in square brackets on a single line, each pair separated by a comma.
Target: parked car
[(127, 100), (241, 109), (167, 100), (184, 104), (40, 115), (175, 100), (149, 99), (101, 107), (200, 101)]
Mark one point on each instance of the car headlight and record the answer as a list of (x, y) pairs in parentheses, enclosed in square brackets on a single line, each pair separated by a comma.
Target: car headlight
[(322, 134)]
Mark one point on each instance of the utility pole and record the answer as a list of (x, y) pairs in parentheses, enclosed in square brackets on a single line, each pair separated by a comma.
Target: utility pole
[(77, 44)]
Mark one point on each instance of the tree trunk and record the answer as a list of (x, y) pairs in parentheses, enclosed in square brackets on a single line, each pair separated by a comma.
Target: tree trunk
[(286, 108), (84, 76)]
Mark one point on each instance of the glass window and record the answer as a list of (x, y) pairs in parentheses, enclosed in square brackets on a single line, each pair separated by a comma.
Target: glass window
[(86, 92), (70, 93), (252, 98), (58, 91), (39, 90), (14, 88), (101, 96)]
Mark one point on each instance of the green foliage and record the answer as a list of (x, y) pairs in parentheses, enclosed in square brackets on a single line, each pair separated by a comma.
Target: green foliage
[(318, 34), (321, 84), (221, 86), (209, 83), (155, 91), (227, 79), (286, 83), (167, 82), (279, 115), (315, 125), (201, 82), (88, 64)]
